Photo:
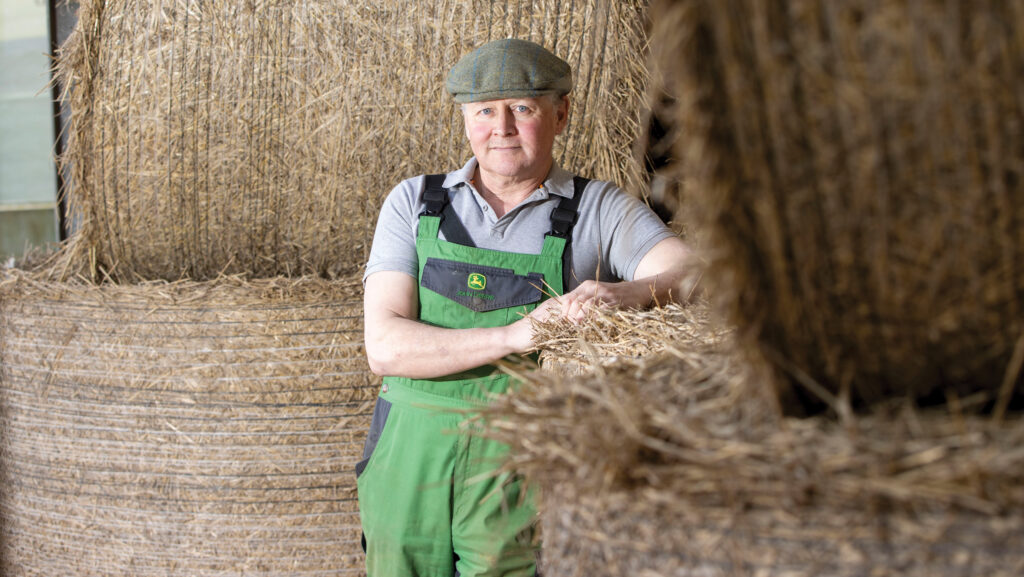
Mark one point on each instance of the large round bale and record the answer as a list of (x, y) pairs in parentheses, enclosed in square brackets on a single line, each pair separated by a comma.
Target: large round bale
[(187, 429), (856, 171), (261, 137), (679, 463)]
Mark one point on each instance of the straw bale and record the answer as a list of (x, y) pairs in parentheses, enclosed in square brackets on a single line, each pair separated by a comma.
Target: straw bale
[(181, 428), (857, 169), (261, 137), (609, 335), (680, 463)]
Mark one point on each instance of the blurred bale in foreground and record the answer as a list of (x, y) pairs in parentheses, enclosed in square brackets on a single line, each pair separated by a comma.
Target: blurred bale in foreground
[(854, 170), (220, 137), (187, 428), (680, 463)]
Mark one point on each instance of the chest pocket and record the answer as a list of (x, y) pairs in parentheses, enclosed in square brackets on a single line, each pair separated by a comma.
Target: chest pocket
[(481, 288)]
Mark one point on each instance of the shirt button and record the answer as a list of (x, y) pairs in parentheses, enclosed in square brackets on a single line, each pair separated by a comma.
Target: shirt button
[(384, 389)]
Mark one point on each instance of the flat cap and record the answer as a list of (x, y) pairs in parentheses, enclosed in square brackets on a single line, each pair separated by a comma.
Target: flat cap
[(508, 68)]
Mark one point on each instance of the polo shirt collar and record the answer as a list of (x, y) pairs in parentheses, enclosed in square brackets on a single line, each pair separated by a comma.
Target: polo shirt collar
[(558, 182)]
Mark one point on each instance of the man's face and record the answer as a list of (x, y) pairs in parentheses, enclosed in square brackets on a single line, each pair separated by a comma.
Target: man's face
[(514, 137)]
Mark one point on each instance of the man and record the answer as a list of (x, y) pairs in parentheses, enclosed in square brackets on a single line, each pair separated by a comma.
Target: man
[(460, 265)]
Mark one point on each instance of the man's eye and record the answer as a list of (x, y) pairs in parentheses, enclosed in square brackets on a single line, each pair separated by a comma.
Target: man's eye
[(521, 108), (484, 111)]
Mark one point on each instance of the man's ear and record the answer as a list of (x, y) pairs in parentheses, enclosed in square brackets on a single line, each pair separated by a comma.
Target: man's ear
[(562, 112)]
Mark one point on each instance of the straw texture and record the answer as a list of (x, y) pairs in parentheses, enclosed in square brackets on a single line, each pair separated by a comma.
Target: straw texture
[(855, 170), (221, 137), (680, 463), (187, 428)]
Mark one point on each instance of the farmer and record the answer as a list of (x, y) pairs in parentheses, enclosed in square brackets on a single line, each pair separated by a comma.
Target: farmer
[(460, 263)]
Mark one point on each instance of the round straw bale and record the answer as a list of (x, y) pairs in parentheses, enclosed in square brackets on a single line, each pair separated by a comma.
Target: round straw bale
[(678, 464), (181, 428), (261, 137), (857, 169), (637, 533)]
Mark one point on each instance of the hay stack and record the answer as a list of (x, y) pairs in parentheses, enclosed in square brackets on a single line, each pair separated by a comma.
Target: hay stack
[(858, 171), (187, 428), (679, 463), (260, 137)]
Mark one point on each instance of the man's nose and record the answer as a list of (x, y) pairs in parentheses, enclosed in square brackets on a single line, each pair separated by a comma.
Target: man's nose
[(504, 122)]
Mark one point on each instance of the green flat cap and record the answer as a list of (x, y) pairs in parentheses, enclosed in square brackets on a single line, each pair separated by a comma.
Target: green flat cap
[(508, 68)]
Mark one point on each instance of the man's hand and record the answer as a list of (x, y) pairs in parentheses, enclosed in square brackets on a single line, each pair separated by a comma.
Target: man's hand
[(661, 277), (520, 335), (591, 294)]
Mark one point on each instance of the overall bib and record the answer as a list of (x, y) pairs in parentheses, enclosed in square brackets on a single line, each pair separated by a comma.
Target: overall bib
[(430, 499)]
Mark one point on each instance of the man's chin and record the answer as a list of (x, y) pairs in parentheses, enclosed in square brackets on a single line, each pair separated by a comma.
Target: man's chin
[(507, 169)]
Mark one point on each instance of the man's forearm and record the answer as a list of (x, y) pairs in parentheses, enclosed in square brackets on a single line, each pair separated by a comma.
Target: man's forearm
[(409, 348), (673, 285), (398, 344), (668, 272)]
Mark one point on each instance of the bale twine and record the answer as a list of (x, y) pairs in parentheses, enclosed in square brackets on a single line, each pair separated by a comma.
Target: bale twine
[(680, 463), (188, 428), (858, 170), (220, 137)]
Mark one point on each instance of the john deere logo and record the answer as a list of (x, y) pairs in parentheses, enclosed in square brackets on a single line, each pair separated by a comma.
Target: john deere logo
[(476, 281)]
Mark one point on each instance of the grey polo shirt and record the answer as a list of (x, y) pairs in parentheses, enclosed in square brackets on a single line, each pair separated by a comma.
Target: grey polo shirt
[(613, 233)]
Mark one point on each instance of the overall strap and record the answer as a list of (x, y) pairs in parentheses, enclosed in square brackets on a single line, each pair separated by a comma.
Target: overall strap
[(435, 199), (563, 219), (564, 216)]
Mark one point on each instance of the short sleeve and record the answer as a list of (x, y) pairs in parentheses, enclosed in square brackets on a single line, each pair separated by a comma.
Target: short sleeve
[(629, 230), (614, 233), (394, 239)]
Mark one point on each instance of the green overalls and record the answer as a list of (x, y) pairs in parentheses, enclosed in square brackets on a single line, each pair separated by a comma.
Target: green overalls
[(430, 501)]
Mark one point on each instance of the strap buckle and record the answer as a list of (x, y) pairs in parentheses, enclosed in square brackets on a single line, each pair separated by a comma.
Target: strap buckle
[(562, 221), (434, 199)]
